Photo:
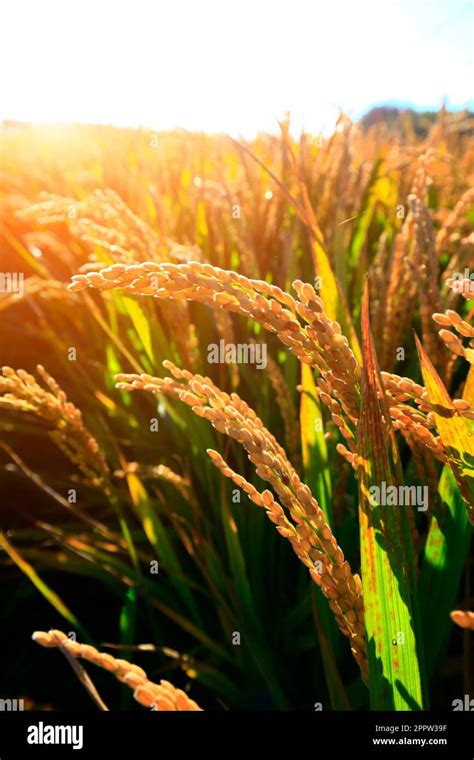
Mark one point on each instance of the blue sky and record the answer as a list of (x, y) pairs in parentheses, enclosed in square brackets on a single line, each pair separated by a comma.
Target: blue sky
[(231, 66)]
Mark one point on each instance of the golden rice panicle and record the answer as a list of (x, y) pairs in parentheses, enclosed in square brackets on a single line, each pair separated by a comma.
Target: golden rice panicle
[(156, 472), (319, 344), (159, 472), (335, 359), (454, 276), (230, 415), (163, 696), (404, 389), (143, 238), (323, 558), (21, 392), (416, 425), (101, 218), (51, 209), (399, 390), (464, 619), (453, 220), (264, 499), (350, 456), (451, 319)]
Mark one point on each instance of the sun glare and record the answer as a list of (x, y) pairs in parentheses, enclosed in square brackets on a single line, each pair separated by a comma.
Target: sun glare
[(229, 67)]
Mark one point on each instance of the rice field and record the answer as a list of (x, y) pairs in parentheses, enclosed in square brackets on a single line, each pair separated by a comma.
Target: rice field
[(237, 416)]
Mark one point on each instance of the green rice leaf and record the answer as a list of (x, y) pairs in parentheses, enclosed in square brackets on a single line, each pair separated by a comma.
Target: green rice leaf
[(48, 593), (386, 554)]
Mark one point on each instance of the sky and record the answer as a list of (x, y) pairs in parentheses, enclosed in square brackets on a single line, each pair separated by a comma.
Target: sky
[(231, 66)]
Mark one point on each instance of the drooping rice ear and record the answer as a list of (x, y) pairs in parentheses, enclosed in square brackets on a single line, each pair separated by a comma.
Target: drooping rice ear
[(164, 696)]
